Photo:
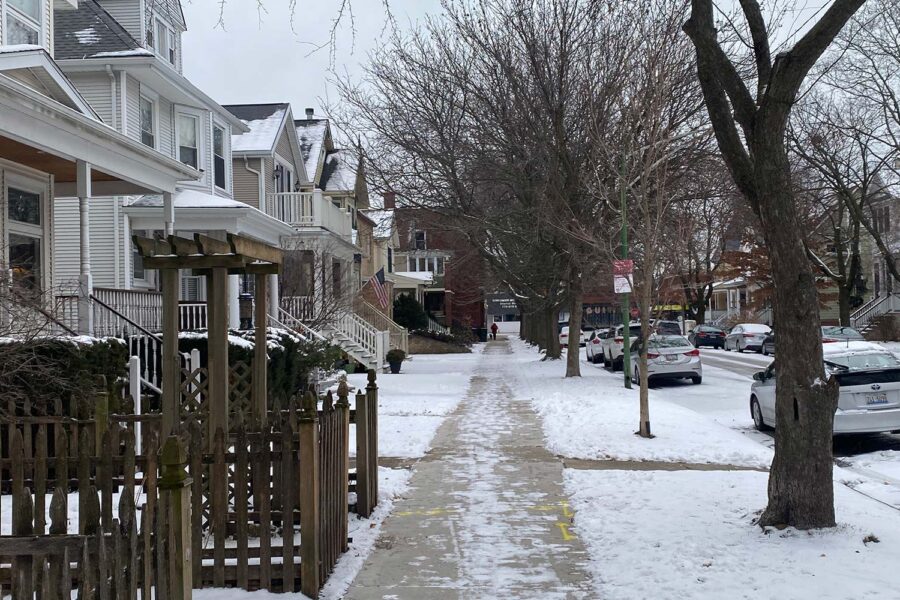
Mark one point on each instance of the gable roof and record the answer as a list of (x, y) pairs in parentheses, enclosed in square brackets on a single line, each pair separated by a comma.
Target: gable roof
[(89, 31), (264, 121), (339, 172), (313, 135)]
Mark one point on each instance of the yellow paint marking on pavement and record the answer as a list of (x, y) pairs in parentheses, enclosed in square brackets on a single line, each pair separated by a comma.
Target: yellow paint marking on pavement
[(567, 535), (432, 512), (566, 512)]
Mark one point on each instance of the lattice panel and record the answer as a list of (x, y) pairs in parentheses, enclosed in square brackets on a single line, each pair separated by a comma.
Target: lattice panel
[(194, 397), (239, 396)]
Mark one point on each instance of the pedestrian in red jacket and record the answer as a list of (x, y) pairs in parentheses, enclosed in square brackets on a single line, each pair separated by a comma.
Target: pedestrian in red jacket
[(494, 329)]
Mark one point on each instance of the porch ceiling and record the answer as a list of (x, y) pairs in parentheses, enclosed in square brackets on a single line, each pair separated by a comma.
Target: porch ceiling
[(62, 169)]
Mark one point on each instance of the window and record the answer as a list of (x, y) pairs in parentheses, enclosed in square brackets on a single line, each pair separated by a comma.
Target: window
[(439, 265), (165, 42), (24, 238), (219, 157), (390, 260), (420, 241), (137, 263), (148, 122), (284, 179), (23, 22), (336, 278), (188, 150)]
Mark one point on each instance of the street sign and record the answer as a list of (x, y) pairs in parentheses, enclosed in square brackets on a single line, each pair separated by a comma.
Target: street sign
[(623, 282)]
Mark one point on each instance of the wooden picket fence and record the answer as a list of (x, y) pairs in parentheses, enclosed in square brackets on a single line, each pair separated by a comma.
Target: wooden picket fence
[(196, 514)]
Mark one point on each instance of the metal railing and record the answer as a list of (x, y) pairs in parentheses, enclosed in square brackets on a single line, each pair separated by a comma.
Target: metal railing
[(877, 306), (286, 320), (309, 209)]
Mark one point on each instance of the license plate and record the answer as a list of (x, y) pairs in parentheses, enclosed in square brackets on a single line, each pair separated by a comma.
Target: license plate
[(876, 399), (671, 357)]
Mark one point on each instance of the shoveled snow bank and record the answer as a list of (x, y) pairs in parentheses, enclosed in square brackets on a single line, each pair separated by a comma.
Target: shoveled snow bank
[(393, 483), (413, 404), (688, 534), (595, 417)]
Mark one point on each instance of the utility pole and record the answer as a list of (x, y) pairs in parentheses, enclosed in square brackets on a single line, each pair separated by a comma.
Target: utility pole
[(626, 298)]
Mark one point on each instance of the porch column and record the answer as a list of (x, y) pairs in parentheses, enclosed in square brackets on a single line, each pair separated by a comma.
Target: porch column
[(85, 282), (274, 301), (169, 213), (260, 360), (218, 368), (234, 309)]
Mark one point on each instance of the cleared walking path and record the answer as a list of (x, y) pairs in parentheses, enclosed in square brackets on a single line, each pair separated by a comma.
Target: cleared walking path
[(486, 516)]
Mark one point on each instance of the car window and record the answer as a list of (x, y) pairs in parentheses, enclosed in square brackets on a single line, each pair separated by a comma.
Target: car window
[(668, 341), (737, 329), (669, 327), (635, 330), (770, 371), (861, 361), (756, 328)]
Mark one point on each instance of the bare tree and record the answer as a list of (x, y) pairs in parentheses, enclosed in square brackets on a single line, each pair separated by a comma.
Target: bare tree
[(316, 287), (750, 128)]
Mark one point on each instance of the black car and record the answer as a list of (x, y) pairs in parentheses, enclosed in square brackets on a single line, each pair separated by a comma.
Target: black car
[(768, 345), (707, 335), (667, 327), (830, 334)]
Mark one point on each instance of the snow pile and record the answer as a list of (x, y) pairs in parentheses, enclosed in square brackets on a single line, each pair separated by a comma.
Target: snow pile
[(413, 404), (687, 534), (595, 417)]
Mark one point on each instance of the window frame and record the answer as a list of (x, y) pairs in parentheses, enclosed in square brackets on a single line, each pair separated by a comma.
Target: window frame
[(153, 99), (27, 20), (15, 177), (198, 129), (170, 53), (424, 239), (226, 174)]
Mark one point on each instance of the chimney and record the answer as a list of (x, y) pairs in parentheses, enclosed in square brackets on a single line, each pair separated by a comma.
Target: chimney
[(390, 200), (309, 114)]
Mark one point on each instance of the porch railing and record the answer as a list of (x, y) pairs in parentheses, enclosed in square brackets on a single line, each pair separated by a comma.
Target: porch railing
[(302, 308), (399, 335), (877, 306), (309, 209), (121, 309), (435, 327)]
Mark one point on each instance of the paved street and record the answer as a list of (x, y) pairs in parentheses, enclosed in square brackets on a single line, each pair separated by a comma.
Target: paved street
[(486, 516)]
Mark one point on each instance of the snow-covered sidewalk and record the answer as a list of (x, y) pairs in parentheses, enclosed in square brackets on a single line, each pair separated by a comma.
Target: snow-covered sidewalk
[(689, 534)]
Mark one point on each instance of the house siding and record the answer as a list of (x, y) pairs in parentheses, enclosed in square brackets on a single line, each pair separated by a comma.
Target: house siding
[(133, 108), (166, 128), (128, 14), (246, 184), (106, 237), (284, 151), (269, 166), (95, 87)]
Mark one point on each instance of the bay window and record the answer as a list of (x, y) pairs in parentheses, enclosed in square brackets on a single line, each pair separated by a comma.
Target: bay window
[(22, 22), (188, 138)]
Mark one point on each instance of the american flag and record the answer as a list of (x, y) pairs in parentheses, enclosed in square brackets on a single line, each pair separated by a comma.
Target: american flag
[(377, 282)]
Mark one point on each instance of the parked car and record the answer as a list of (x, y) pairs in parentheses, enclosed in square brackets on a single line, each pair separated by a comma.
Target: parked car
[(707, 335), (830, 334), (614, 342), (747, 336), (667, 327), (837, 333), (564, 337), (586, 331), (869, 380), (594, 346), (668, 357)]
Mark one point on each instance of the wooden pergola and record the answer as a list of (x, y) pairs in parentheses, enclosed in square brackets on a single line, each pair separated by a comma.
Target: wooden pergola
[(217, 259)]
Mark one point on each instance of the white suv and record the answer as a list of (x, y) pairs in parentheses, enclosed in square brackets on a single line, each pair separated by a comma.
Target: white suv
[(613, 343)]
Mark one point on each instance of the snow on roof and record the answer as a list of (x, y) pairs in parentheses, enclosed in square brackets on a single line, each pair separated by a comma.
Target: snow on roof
[(339, 172), (424, 276), (190, 199), (730, 282), (384, 222), (88, 35), (19, 48), (263, 133), (135, 52), (759, 327), (311, 133)]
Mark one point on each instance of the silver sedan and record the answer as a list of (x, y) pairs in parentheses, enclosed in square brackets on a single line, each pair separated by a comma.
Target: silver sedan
[(668, 357)]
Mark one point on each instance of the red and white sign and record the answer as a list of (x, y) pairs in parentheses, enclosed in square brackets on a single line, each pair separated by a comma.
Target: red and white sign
[(622, 276)]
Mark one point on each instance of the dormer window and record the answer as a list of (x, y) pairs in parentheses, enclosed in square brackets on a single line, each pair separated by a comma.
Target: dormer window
[(22, 22), (164, 41)]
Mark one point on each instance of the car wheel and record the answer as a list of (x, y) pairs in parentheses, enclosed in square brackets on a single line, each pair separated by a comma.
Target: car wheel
[(696, 344), (756, 413), (725, 347), (635, 377), (697, 380), (618, 365), (765, 351)]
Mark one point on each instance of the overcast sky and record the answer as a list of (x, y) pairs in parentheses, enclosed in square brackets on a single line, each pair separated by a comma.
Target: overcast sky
[(257, 57)]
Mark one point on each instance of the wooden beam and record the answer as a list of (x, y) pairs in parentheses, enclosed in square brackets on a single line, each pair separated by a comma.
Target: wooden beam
[(228, 261), (260, 360), (218, 368), (171, 368), (263, 269), (210, 245), (150, 247), (255, 250), (184, 246)]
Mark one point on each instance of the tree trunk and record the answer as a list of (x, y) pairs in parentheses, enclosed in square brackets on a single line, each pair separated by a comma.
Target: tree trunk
[(550, 322), (844, 305), (646, 299), (801, 490), (573, 356)]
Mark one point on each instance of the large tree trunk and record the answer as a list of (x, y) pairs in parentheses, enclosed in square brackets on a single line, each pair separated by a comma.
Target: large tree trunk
[(573, 356), (844, 305), (550, 326), (801, 490)]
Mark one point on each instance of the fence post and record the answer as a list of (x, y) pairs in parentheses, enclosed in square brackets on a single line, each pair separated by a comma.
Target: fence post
[(343, 410), (310, 525), (372, 396), (134, 388), (101, 413), (174, 487), (362, 455)]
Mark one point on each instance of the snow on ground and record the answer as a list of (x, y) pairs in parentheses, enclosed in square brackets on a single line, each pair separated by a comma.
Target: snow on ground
[(413, 404), (688, 534), (595, 417)]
